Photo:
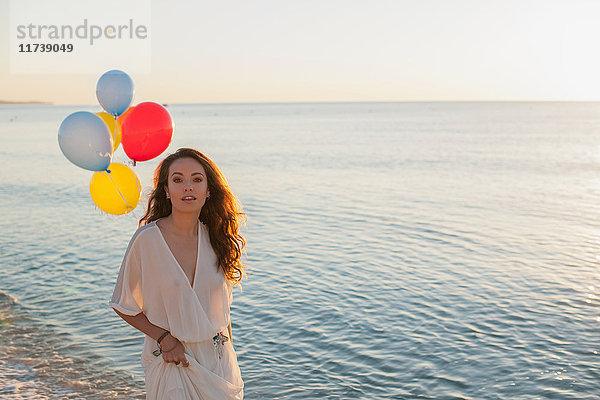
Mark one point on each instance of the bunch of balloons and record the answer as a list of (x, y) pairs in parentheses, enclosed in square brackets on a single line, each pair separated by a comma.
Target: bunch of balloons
[(89, 141)]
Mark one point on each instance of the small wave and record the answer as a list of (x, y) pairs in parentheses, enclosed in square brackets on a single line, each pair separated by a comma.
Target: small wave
[(36, 363)]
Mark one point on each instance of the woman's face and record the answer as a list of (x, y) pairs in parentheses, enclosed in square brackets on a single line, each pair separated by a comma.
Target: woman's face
[(187, 186)]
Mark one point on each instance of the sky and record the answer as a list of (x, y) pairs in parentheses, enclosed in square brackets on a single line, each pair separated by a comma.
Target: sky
[(333, 50)]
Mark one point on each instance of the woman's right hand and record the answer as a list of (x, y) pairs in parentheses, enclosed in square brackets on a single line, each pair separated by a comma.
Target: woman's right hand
[(176, 355)]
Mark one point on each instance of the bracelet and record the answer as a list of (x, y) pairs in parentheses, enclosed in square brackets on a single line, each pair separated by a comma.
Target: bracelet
[(164, 335), (159, 351)]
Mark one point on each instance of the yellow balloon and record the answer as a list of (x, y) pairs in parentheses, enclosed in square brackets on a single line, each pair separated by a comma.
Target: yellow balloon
[(117, 192), (114, 128)]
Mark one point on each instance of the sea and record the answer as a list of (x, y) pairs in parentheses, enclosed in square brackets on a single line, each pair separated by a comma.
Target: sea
[(395, 250)]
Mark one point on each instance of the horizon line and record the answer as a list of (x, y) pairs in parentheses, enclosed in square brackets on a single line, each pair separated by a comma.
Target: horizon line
[(39, 102)]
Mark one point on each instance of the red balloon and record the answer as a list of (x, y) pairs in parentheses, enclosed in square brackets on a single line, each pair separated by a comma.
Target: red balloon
[(147, 131)]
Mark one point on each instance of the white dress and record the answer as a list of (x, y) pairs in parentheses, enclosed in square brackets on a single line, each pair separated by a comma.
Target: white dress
[(151, 281)]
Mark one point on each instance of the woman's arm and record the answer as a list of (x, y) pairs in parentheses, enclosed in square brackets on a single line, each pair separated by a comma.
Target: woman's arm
[(141, 323), (229, 329)]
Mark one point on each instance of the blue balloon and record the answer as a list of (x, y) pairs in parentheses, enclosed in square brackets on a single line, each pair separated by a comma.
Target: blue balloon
[(115, 92), (85, 140)]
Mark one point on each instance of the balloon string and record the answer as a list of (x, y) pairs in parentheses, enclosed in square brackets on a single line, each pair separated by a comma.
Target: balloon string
[(139, 191), (138, 186), (116, 127), (128, 206), (120, 194)]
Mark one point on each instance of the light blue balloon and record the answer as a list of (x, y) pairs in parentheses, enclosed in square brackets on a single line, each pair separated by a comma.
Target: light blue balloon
[(115, 92), (85, 140)]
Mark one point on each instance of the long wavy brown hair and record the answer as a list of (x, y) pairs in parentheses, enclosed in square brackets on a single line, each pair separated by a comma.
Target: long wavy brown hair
[(221, 213)]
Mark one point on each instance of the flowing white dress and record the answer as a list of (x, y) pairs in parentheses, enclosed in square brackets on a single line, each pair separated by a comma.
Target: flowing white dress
[(151, 281)]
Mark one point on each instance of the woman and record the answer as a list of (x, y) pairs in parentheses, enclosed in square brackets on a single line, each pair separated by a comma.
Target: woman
[(176, 280)]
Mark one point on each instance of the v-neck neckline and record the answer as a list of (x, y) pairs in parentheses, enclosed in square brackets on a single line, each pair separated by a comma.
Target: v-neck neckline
[(193, 283)]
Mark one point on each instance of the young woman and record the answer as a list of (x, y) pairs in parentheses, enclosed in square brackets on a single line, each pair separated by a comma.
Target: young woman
[(176, 280)]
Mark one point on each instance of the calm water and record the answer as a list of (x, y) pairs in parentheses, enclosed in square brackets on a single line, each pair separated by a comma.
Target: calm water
[(397, 251)]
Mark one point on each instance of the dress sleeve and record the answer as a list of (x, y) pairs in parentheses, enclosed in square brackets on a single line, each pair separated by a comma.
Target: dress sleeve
[(127, 297)]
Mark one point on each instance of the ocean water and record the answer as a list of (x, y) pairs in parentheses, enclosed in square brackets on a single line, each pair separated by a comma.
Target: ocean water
[(396, 251)]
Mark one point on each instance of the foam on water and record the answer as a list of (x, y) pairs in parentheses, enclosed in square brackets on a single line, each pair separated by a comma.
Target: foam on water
[(36, 363)]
